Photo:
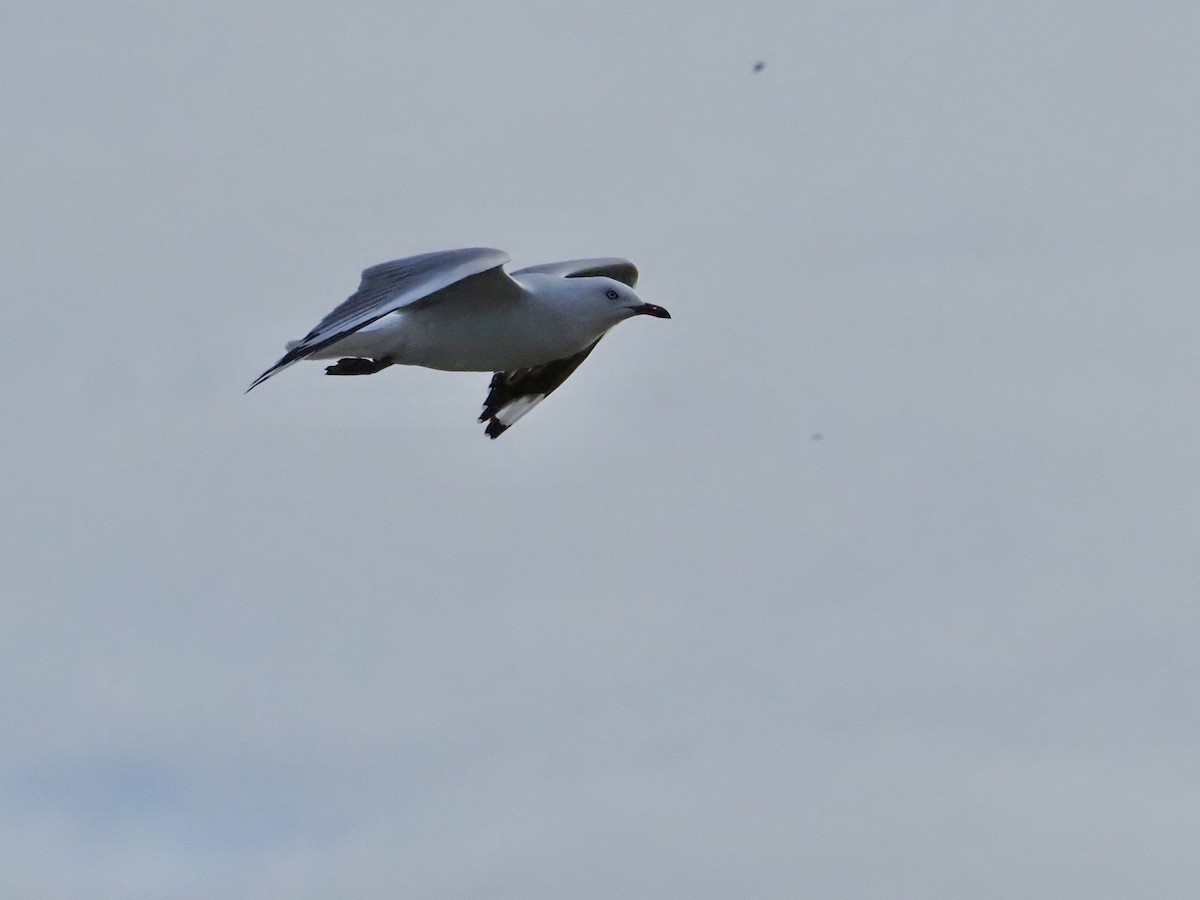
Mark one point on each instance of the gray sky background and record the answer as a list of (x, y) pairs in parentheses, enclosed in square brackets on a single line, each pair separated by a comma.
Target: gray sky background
[(328, 640)]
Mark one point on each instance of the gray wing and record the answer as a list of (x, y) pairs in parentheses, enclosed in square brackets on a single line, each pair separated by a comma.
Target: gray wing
[(512, 394), (388, 287), (610, 267)]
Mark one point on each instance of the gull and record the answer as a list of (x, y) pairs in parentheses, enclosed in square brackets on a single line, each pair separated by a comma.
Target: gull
[(460, 311)]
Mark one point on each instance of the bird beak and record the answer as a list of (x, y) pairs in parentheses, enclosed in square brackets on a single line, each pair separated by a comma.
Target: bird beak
[(649, 309)]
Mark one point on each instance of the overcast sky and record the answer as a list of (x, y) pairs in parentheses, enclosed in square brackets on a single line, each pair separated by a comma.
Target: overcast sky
[(658, 640)]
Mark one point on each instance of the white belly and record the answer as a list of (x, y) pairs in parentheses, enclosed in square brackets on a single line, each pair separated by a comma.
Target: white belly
[(464, 338), (372, 341)]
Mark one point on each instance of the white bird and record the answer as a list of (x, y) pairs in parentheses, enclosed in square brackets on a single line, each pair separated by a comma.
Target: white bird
[(459, 311)]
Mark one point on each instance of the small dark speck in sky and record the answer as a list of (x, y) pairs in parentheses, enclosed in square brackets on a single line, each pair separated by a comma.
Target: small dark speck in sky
[(759, 66), (817, 436)]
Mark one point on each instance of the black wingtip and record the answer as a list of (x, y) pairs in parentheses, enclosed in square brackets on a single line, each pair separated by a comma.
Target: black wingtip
[(263, 377), (296, 353)]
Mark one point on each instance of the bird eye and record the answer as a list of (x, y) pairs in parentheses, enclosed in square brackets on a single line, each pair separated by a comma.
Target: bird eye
[(612, 295)]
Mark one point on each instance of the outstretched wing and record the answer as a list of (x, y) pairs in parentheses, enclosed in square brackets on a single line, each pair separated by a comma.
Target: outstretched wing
[(512, 394), (610, 267), (388, 287)]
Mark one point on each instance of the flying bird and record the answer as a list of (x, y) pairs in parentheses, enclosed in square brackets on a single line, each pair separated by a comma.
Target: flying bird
[(460, 311)]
